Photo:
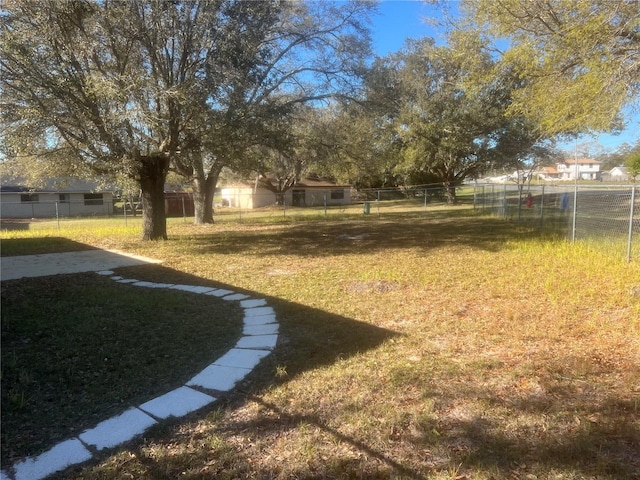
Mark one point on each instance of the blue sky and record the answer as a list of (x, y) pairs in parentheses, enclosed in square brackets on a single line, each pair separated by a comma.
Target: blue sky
[(402, 19)]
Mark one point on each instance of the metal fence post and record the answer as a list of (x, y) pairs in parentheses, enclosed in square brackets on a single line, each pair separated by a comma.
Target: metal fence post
[(542, 208), (493, 197), (575, 213), (474, 195), (505, 204), (520, 203), (325, 204), (631, 215), (484, 200), (57, 216)]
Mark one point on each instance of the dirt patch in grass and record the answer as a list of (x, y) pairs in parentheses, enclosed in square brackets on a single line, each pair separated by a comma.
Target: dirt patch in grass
[(375, 286), (77, 349)]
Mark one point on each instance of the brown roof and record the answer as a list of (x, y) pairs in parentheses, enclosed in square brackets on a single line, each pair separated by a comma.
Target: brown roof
[(581, 161)]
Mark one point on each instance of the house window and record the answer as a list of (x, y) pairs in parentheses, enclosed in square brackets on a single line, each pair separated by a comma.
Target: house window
[(63, 198), (337, 194), (93, 199), (29, 197)]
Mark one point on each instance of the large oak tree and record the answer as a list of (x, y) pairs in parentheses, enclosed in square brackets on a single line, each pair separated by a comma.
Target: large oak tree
[(141, 87), (450, 119), (311, 53), (115, 86)]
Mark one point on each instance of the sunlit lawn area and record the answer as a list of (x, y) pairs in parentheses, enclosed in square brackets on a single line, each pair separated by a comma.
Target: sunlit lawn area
[(420, 345)]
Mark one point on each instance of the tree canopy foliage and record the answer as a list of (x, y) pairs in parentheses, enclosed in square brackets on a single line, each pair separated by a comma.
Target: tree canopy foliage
[(632, 162), (137, 88), (450, 124), (579, 59), (275, 89)]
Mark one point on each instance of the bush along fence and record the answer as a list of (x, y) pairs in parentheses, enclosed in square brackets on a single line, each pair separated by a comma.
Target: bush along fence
[(584, 212)]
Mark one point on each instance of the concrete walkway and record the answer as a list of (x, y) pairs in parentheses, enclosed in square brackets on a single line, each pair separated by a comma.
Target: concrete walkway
[(259, 338), (47, 264)]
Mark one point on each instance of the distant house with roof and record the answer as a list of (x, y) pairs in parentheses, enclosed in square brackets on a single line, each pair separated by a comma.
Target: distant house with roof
[(307, 192), (582, 168), (76, 198), (548, 173), (618, 174)]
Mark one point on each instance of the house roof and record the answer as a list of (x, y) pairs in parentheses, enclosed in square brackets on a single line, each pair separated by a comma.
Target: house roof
[(56, 185), (581, 161), (302, 183), (549, 170)]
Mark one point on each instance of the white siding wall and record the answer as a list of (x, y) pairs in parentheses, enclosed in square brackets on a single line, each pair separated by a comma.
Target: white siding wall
[(12, 206), (241, 197)]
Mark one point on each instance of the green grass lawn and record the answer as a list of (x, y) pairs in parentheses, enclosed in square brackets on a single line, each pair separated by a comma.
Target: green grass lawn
[(77, 349), (411, 346)]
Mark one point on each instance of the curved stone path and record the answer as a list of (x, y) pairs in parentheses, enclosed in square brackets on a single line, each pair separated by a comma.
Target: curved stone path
[(259, 337)]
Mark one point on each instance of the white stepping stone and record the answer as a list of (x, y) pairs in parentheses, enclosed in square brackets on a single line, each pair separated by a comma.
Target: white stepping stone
[(117, 277), (259, 311), (192, 288), (236, 296), (128, 280), (252, 303), (117, 430), (105, 272), (218, 377), (63, 455), (144, 284), (157, 285), (266, 342), (267, 329), (241, 358), (220, 292), (260, 320), (176, 403)]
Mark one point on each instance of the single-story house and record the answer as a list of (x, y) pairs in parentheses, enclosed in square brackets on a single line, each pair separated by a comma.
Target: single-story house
[(548, 173), (618, 174), (308, 192), (76, 199)]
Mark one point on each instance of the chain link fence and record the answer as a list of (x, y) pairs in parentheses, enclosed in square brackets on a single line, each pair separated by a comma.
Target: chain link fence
[(582, 212), (608, 213)]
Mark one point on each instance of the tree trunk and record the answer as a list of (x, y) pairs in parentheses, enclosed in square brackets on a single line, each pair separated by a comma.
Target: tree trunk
[(202, 201), (153, 174), (203, 192), (450, 192)]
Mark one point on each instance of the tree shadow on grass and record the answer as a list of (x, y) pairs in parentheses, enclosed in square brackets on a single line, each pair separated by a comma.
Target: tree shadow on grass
[(308, 339), (320, 239), (37, 246), (476, 444), (583, 440)]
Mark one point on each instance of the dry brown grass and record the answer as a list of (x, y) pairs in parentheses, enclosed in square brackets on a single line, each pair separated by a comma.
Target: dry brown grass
[(458, 348)]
